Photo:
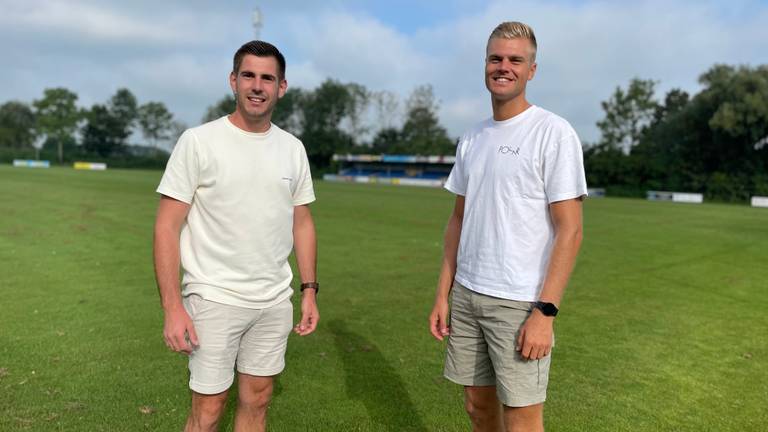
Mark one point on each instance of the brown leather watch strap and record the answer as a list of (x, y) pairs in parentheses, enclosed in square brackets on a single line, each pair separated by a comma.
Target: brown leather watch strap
[(311, 285)]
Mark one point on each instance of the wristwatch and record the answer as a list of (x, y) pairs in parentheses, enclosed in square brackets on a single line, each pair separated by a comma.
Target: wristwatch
[(548, 309), (310, 285)]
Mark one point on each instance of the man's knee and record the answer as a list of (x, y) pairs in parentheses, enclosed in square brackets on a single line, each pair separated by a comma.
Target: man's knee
[(255, 393), (207, 409), (481, 403), (529, 418), (257, 401)]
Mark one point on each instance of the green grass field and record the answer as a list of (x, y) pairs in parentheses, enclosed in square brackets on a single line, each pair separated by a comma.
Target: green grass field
[(663, 327)]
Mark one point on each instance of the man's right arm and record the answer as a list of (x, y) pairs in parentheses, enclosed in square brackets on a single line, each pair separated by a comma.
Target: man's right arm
[(178, 329), (438, 319)]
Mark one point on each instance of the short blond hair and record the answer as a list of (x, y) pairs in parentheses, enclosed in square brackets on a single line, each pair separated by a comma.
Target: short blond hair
[(515, 30)]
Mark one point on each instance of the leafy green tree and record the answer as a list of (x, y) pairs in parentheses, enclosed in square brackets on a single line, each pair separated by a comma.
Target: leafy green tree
[(104, 134), (108, 127), (387, 108), (224, 106), (422, 132), (323, 111), (627, 114), (57, 118), (125, 108), (741, 116), (705, 143), (387, 141), (709, 145), (674, 102), (609, 168), (17, 125), (359, 101), (653, 161), (177, 128), (156, 122), (288, 112)]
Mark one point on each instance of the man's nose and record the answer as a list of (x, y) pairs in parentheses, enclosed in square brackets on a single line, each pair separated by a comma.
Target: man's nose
[(258, 85)]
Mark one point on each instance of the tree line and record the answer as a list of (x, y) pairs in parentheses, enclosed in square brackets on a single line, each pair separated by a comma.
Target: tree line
[(712, 143), (333, 118), (348, 118), (54, 127)]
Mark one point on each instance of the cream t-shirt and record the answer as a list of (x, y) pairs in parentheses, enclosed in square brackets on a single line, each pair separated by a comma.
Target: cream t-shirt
[(242, 188), (509, 172)]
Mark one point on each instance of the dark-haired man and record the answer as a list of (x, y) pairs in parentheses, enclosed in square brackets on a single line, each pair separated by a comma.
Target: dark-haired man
[(234, 203), (510, 244)]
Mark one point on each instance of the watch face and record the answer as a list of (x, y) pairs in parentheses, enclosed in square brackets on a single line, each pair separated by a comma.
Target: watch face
[(547, 309)]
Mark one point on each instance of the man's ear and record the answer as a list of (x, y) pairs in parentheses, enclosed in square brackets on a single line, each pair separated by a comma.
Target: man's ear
[(532, 71), (233, 82)]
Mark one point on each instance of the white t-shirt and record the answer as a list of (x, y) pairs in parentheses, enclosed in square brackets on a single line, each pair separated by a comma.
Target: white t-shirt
[(242, 188), (509, 172)]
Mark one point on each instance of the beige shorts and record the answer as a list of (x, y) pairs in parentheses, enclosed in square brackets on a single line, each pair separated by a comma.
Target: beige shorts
[(255, 339), (481, 348)]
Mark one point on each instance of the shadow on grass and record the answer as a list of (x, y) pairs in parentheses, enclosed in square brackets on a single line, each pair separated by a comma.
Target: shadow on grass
[(370, 379)]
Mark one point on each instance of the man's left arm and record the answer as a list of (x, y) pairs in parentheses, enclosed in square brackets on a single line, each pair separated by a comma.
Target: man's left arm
[(535, 339), (305, 249)]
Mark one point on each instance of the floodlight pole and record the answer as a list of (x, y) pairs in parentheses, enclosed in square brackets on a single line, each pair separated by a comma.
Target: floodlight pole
[(257, 22)]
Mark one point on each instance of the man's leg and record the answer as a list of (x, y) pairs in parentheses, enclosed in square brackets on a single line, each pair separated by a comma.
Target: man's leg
[(521, 384), (524, 419), (261, 357), (211, 365), (253, 399), (206, 412), (467, 362), (483, 407)]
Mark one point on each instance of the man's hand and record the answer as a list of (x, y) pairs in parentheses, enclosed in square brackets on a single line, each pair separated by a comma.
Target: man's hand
[(535, 340), (438, 320), (309, 313), (178, 331)]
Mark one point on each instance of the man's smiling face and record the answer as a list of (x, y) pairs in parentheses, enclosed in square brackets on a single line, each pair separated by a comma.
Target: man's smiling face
[(509, 66)]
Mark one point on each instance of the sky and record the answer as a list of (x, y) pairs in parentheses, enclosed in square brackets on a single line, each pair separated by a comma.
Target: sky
[(180, 52)]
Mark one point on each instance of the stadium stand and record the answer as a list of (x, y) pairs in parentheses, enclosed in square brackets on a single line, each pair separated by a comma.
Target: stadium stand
[(429, 171)]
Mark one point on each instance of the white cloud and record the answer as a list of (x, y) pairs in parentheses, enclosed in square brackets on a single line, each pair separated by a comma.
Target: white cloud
[(354, 48), (84, 20), (179, 52), (586, 50)]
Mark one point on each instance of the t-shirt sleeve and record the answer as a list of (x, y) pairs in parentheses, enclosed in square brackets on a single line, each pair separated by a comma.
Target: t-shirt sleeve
[(304, 192), (457, 180), (182, 173), (564, 169)]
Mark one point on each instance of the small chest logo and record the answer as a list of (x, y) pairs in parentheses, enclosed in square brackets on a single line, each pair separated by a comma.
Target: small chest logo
[(509, 150)]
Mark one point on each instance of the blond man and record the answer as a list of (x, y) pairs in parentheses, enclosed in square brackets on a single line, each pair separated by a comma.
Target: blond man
[(510, 244)]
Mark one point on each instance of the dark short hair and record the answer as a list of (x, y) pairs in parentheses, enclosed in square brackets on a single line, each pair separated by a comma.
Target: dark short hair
[(259, 49)]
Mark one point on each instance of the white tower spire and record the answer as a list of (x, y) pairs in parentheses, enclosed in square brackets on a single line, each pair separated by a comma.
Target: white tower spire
[(257, 21)]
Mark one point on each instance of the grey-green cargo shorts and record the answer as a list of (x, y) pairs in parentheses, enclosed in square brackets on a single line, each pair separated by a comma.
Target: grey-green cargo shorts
[(481, 348)]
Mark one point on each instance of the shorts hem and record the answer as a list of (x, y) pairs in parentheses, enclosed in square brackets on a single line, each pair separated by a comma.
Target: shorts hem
[(261, 372), (467, 382), (207, 389), (521, 402)]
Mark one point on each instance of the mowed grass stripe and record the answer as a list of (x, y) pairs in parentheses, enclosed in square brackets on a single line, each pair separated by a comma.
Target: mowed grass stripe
[(663, 326)]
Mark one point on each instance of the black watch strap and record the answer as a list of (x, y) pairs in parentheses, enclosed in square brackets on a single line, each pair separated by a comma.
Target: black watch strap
[(548, 309), (311, 285)]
